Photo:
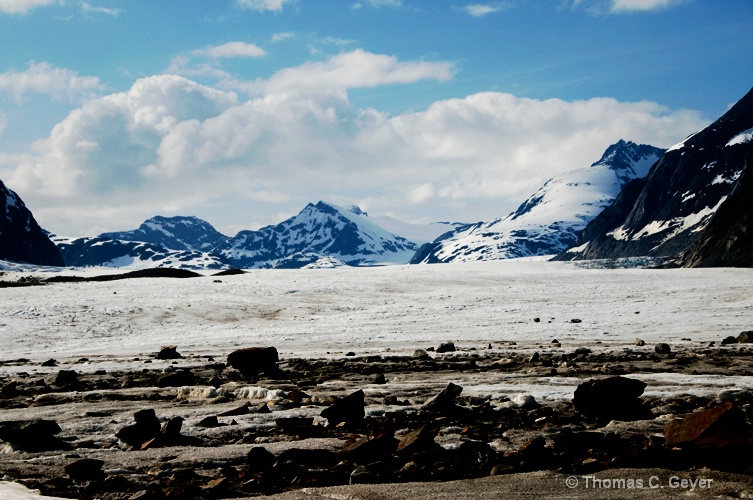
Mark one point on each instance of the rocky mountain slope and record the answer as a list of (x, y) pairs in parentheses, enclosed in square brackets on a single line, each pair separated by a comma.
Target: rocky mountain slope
[(21, 238), (548, 221), (671, 211), (319, 230), (175, 233)]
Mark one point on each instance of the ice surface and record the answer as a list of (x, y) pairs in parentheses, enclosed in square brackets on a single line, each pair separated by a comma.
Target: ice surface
[(316, 312)]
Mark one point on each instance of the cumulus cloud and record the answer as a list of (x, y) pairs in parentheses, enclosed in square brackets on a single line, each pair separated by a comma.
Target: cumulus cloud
[(169, 145), (44, 78), (22, 6), (264, 5), (349, 70), (231, 50)]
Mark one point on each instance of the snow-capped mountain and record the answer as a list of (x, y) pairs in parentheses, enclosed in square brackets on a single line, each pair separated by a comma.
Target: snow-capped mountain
[(175, 233), (108, 252), (320, 230), (181, 242), (21, 238), (548, 222), (668, 212)]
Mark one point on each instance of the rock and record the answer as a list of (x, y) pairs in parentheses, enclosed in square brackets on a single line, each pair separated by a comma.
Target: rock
[(576, 320), (85, 469), (525, 401), (32, 435), (241, 410), (253, 361), (349, 409), (745, 337), (50, 362), (65, 377), (262, 408), (421, 354), (739, 396), (640, 342), (168, 352), (537, 320), (613, 397), (443, 401), (379, 379), (350, 354), (729, 340), (417, 440), (210, 421), (371, 448), (534, 357), (662, 348), (582, 351), (361, 475), (10, 390), (146, 428), (180, 378), (446, 347), (295, 424), (260, 459), (705, 424)]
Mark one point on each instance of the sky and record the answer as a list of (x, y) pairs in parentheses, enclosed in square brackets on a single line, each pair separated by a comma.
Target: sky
[(241, 112)]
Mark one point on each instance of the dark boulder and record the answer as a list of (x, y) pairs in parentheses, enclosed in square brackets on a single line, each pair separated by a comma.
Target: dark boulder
[(611, 398), (168, 352), (85, 469), (349, 409), (253, 361), (446, 347), (444, 401), (146, 428), (179, 378), (32, 435)]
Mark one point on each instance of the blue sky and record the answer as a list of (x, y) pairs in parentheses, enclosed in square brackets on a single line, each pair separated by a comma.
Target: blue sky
[(242, 111)]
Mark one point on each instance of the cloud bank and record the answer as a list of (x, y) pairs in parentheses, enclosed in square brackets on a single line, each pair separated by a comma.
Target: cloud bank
[(169, 145), (44, 78)]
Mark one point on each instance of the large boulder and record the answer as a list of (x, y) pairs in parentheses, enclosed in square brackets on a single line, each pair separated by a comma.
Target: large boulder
[(611, 398), (253, 361), (349, 409), (32, 435)]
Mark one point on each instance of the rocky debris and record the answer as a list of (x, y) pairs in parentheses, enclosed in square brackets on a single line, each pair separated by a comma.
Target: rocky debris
[(640, 342), (168, 352), (446, 347), (146, 428), (178, 378), (32, 435), (450, 436), (729, 340), (420, 354), (349, 409), (611, 398), (745, 337), (85, 469), (65, 377), (444, 401), (241, 410), (720, 427), (662, 348), (253, 361)]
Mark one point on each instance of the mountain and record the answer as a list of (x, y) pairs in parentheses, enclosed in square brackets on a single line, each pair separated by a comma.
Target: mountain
[(182, 242), (21, 238), (547, 222), (681, 202), (108, 252), (320, 230), (175, 233)]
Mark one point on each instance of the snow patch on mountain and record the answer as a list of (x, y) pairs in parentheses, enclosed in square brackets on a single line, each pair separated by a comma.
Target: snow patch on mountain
[(320, 230), (547, 222)]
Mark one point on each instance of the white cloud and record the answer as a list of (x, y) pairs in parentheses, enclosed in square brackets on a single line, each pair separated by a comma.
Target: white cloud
[(43, 78), (601, 7), (642, 5), (171, 146), (232, 49), (22, 6), (281, 37), (88, 8), (349, 70), (264, 5), (3, 121), (480, 10)]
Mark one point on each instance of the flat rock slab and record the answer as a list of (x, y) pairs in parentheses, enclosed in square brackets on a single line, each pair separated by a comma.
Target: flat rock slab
[(657, 483)]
